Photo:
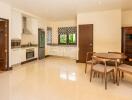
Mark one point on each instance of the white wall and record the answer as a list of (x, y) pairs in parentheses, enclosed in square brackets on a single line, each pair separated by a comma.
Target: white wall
[(5, 11), (127, 18), (107, 29)]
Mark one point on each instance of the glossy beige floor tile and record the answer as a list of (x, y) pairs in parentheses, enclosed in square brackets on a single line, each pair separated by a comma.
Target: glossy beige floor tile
[(58, 79)]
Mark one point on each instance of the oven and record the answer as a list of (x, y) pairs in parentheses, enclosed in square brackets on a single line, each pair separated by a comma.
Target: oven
[(15, 43), (29, 54)]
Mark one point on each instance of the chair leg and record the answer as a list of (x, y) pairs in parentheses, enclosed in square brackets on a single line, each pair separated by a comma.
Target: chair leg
[(113, 77), (86, 68), (122, 76), (118, 77), (106, 81), (94, 74), (116, 73), (102, 77), (91, 74), (119, 74), (98, 75)]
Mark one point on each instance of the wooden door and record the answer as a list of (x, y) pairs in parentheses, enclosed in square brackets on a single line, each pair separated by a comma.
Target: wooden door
[(85, 41), (4, 39)]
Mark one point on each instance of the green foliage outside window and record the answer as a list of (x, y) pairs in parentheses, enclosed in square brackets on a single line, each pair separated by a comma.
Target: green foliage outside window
[(67, 39), (72, 38), (63, 38)]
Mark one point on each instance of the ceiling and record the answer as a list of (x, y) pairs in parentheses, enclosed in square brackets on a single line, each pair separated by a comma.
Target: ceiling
[(67, 9)]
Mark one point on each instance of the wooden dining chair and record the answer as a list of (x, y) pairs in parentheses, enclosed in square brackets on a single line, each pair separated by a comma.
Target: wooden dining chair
[(119, 62), (102, 69), (124, 68), (88, 59)]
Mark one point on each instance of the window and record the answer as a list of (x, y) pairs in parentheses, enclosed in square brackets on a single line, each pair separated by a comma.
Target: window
[(72, 38), (49, 35), (67, 35), (63, 39)]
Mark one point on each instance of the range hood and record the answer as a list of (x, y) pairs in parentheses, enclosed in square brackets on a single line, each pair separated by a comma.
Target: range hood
[(26, 22)]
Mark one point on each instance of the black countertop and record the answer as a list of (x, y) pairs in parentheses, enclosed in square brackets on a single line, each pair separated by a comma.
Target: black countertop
[(32, 45), (62, 45)]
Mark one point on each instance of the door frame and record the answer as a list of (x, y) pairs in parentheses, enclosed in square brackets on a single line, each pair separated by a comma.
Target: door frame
[(6, 68)]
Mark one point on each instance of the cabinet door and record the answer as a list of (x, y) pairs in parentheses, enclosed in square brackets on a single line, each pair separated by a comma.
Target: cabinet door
[(15, 56), (36, 52), (128, 30), (16, 25), (23, 55)]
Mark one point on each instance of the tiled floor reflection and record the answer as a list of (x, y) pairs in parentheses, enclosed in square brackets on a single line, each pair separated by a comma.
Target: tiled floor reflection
[(58, 79)]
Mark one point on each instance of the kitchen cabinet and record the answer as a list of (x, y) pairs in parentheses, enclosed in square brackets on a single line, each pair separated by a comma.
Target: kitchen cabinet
[(16, 22), (70, 52), (55, 51), (36, 52), (63, 51), (23, 54), (16, 56)]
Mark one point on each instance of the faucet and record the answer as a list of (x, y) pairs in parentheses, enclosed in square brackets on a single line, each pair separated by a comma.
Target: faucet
[(29, 44)]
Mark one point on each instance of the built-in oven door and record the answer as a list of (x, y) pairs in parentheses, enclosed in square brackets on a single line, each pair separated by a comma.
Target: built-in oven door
[(29, 54)]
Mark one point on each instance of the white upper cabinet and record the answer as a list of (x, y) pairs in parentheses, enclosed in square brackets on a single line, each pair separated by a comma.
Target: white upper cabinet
[(16, 25)]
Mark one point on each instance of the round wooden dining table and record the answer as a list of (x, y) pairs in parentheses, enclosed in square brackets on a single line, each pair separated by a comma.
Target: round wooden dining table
[(112, 56)]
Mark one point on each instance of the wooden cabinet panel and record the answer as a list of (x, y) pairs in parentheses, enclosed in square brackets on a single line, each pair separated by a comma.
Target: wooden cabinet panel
[(127, 41), (128, 30)]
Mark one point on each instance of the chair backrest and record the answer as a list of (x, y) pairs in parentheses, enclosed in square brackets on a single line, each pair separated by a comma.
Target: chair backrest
[(89, 56), (103, 60)]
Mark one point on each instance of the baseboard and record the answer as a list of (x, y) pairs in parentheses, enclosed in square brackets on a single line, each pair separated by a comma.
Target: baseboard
[(77, 61), (10, 68), (7, 69), (61, 57), (24, 62), (47, 56)]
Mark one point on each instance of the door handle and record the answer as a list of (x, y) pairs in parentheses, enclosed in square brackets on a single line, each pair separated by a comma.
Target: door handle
[(91, 44), (5, 50)]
